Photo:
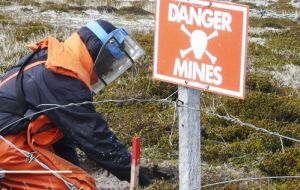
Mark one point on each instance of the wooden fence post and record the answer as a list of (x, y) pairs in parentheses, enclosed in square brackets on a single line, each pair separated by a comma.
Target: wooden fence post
[(189, 139)]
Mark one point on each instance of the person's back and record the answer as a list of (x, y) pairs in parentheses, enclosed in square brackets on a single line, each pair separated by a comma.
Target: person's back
[(8, 90)]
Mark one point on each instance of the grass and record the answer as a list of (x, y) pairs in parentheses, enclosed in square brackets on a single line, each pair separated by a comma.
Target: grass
[(107, 9), (133, 11), (25, 31), (272, 22), (5, 3), (5, 20), (78, 2), (282, 47), (59, 7), (229, 151), (28, 2), (267, 105), (16, 47), (283, 6)]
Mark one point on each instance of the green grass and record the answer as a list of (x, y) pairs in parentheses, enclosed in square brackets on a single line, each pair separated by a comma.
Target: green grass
[(133, 11), (5, 20), (283, 6), (78, 2), (5, 3), (267, 105), (28, 2), (59, 7), (25, 31), (271, 22), (282, 47)]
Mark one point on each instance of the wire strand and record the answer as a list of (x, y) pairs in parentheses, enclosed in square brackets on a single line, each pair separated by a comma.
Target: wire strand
[(31, 157), (249, 179), (166, 100), (241, 123)]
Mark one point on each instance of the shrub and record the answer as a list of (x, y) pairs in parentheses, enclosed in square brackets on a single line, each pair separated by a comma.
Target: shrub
[(260, 106), (23, 32), (107, 9), (28, 2), (5, 2), (138, 4), (133, 11), (78, 2), (261, 83), (62, 7), (279, 163)]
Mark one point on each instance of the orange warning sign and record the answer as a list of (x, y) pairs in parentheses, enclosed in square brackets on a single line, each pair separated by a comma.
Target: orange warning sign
[(201, 44)]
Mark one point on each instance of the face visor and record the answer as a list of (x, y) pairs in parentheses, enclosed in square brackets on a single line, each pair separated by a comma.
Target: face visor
[(118, 53)]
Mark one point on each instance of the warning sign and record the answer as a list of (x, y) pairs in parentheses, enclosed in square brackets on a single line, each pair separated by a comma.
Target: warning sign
[(201, 44)]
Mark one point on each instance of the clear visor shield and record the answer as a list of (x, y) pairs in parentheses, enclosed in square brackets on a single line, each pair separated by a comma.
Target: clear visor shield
[(115, 57)]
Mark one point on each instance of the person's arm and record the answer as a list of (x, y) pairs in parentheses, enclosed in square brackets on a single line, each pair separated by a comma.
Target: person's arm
[(87, 128)]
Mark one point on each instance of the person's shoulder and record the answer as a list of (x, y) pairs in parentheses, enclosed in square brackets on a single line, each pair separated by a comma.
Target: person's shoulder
[(62, 80), (58, 83)]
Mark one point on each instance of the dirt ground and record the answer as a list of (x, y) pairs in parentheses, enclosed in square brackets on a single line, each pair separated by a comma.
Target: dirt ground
[(104, 180), (222, 142)]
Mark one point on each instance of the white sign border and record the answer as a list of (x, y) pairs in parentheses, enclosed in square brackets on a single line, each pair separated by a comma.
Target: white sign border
[(198, 85)]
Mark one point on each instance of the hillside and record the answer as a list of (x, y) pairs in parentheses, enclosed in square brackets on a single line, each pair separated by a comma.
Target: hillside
[(229, 150)]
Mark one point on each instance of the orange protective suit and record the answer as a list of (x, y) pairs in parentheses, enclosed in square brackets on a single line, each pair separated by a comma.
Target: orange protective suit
[(70, 58), (40, 144)]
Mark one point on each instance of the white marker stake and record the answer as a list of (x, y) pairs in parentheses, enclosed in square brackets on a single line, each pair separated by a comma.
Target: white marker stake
[(189, 139), (135, 163)]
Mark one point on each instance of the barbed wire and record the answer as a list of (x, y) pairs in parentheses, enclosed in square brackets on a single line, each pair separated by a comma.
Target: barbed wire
[(30, 156), (244, 124), (209, 111), (58, 106), (248, 179), (176, 104), (228, 117)]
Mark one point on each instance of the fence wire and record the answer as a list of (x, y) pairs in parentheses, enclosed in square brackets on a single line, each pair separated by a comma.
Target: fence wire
[(249, 179), (209, 111), (30, 156)]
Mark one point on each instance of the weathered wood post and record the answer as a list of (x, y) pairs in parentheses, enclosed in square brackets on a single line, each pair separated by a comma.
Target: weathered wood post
[(189, 139)]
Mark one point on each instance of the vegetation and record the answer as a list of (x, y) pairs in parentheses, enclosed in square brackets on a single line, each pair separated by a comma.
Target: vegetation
[(5, 3), (26, 30), (283, 6), (133, 11), (5, 20), (267, 105), (282, 47), (108, 9), (59, 7), (229, 151), (78, 2)]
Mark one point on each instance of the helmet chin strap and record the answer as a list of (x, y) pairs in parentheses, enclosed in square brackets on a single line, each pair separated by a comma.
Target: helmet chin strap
[(97, 59), (102, 80)]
